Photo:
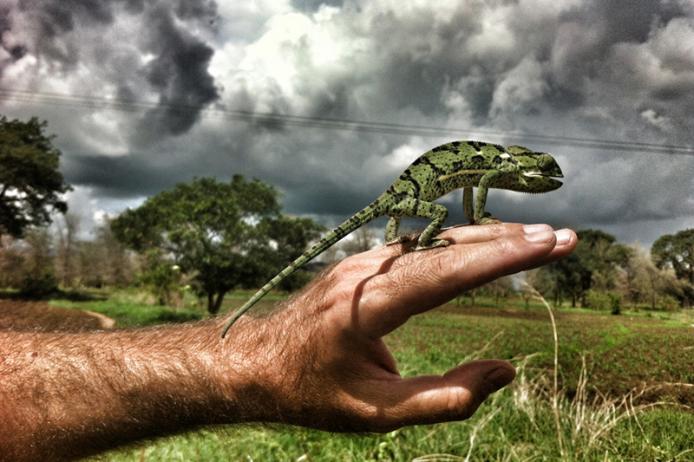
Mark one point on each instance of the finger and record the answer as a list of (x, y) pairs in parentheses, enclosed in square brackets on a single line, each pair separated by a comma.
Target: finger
[(454, 396), (432, 278), (566, 243), (466, 234)]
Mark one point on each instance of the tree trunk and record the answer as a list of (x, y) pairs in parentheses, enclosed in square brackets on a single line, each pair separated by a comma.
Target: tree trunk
[(214, 303)]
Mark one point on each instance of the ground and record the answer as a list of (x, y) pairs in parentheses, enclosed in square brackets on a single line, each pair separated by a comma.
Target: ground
[(626, 390)]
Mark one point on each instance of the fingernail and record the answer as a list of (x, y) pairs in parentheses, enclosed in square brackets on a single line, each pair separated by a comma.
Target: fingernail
[(531, 229), (540, 236), (563, 236), (499, 377)]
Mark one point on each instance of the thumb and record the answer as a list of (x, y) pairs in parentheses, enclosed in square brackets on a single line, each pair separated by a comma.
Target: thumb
[(455, 395)]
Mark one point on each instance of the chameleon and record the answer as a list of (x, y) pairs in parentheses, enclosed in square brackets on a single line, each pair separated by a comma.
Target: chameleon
[(445, 168)]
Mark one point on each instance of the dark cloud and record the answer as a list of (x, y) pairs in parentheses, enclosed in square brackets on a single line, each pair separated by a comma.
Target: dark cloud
[(13, 51), (178, 73), (617, 70), (65, 33)]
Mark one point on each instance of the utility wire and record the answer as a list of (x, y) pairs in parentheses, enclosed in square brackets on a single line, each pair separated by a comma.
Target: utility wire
[(269, 118)]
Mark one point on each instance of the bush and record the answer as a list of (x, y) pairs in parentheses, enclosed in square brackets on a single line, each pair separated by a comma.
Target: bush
[(667, 303), (597, 300), (38, 285)]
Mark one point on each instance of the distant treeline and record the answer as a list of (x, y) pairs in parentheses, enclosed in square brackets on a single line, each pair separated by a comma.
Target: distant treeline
[(209, 237)]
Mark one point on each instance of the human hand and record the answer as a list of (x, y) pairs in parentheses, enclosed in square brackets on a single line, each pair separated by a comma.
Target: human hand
[(321, 362)]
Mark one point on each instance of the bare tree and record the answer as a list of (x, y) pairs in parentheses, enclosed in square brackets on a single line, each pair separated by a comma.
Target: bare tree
[(67, 258)]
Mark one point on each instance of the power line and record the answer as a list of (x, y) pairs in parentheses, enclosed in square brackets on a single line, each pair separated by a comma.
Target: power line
[(92, 102)]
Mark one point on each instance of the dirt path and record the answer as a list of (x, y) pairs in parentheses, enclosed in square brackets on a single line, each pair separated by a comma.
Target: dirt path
[(41, 317)]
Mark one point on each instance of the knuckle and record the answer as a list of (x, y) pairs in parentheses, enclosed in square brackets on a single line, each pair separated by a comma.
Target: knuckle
[(502, 247)]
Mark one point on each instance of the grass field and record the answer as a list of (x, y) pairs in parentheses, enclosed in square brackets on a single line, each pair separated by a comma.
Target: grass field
[(624, 391)]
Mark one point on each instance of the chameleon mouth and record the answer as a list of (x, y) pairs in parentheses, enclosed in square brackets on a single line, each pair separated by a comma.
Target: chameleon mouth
[(538, 174), (549, 177)]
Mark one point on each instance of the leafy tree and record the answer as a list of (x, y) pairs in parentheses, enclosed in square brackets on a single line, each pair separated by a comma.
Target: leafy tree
[(30, 182), (593, 265), (219, 234), (289, 236), (676, 251), (569, 277)]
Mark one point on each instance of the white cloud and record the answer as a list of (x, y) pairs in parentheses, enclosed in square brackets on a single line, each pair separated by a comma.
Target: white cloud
[(570, 68)]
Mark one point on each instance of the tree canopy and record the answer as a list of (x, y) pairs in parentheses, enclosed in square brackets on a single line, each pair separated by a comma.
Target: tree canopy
[(593, 265), (676, 251), (30, 182), (222, 234)]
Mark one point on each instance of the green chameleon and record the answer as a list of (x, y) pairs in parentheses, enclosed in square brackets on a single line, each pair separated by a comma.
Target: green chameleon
[(460, 164)]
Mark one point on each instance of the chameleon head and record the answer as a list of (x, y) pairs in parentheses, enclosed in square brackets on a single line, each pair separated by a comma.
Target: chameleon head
[(538, 171)]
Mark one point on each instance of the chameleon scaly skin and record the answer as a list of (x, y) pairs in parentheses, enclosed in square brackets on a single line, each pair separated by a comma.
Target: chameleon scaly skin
[(460, 164)]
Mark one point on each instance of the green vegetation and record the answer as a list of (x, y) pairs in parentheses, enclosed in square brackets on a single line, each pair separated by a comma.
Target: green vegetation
[(613, 406), (623, 388), (30, 182), (216, 234)]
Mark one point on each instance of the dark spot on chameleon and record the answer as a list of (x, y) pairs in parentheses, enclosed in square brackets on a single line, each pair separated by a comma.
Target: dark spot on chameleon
[(499, 147), (475, 144), (458, 165), (438, 148), (456, 143), (477, 158), (496, 159)]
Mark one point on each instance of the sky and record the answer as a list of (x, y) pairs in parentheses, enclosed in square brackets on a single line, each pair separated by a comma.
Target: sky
[(142, 95)]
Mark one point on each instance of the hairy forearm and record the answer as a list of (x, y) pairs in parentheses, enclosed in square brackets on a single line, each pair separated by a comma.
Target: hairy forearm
[(67, 395)]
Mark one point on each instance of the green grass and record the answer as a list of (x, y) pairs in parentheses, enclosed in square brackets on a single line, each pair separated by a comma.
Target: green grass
[(129, 309), (597, 422)]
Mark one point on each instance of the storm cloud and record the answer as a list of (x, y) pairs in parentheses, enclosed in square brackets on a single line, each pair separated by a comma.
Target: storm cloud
[(496, 71), (139, 48)]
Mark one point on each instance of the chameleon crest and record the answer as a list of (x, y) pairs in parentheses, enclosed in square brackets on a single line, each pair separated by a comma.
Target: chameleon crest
[(451, 166)]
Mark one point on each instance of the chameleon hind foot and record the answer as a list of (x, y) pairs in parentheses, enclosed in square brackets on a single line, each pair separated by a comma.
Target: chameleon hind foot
[(434, 244), (488, 221), (399, 240)]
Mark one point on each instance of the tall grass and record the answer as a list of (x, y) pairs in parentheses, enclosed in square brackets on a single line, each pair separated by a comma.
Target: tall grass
[(582, 424), (540, 416)]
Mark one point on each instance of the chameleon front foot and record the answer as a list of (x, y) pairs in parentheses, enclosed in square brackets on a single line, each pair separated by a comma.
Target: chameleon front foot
[(434, 244)]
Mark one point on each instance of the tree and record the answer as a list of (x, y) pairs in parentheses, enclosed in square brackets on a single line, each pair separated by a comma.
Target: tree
[(644, 282), (66, 252), (676, 251), (593, 265), (222, 235), (30, 182), (362, 240)]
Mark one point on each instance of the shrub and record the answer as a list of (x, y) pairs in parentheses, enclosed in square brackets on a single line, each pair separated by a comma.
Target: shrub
[(667, 303), (38, 285), (596, 300)]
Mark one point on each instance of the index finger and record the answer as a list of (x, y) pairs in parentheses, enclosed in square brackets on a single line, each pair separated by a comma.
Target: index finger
[(434, 277)]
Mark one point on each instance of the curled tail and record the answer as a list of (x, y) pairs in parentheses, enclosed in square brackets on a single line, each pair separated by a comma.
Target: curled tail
[(355, 221)]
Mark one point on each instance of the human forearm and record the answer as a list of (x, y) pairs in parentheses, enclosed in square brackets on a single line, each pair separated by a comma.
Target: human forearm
[(321, 362), (67, 395)]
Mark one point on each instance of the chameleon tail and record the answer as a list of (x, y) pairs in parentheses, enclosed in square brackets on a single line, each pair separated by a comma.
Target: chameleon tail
[(355, 221)]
